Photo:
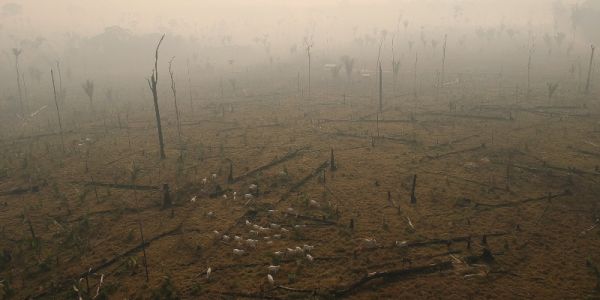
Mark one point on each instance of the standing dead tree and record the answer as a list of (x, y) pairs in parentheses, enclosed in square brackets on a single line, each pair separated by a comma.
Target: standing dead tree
[(144, 250), (153, 83), (309, 44), (552, 86), (174, 90), (190, 87), (443, 61), (587, 84), (57, 111), (413, 198), (348, 66), (88, 88), (395, 67), (531, 49), (415, 75), (16, 53), (380, 77)]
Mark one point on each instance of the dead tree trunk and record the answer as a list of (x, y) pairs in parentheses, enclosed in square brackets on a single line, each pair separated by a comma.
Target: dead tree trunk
[(380, 89), (190, 87), (332, 165), (308, 43), (17, 52), (587, 84), (443, 62), (415, 75), (174, 90), (413, 198), (144, 250), (230, 176), (152, 83), (60, 130), (167, 202), (529, 73)]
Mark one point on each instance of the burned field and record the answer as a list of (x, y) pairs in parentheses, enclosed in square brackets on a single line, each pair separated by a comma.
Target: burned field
[(282, 196)]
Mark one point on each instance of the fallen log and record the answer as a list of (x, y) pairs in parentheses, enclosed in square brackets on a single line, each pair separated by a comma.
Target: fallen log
[(396, 139), (62, 285), (394, 275), (315, 219), (467, 116), (304, 180), (121, 186), (363, 121), (438, 156), (449, 143), (489, 186), (243, 295), (131, 251), (488, 206), (284, 158), (21, 190), (449, 240)]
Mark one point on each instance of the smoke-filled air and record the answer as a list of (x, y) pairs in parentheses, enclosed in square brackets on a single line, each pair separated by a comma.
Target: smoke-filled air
[(299, 149)]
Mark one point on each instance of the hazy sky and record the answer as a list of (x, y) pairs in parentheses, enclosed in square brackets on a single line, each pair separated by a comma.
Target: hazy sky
[(189, 16)]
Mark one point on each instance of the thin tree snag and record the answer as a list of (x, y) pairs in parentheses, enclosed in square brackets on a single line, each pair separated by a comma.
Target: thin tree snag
[(174, 90), (144, 251), (309, 44), (153, 83), (16, 53), (487, 206), (394, 275), (167, 202), (589, 76), (443, 61), (230, 176), (304, 180), (332, 165), (413, 198), (62, 140), (284, 158)]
